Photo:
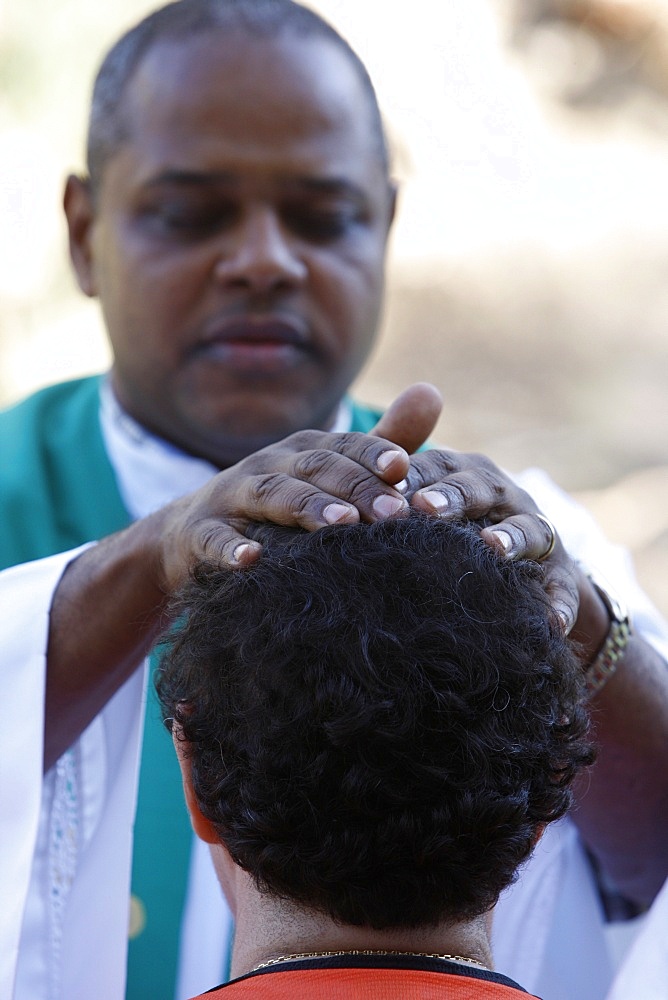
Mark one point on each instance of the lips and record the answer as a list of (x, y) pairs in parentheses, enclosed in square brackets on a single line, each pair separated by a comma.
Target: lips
[(254, 344)]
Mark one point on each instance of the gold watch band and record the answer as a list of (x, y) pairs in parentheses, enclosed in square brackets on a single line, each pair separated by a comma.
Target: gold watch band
[(605, 664)]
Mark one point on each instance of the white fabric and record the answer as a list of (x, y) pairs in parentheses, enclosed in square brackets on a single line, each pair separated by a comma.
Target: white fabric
[(206, 934), (150, 472), (75, 909), (553, 904), (548, 931), (644, 973), (25, 598), (548, 928)]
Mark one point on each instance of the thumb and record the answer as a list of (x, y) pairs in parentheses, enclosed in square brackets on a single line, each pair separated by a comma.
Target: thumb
[(411, 418)]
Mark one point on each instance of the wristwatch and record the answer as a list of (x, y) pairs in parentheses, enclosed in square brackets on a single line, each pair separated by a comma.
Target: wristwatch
[(604, 665)]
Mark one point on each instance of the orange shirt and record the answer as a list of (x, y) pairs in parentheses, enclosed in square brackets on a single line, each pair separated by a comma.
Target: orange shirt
[(367, 984)]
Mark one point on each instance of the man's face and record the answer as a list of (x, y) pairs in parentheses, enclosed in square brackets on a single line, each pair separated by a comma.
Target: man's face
[(237, 240)]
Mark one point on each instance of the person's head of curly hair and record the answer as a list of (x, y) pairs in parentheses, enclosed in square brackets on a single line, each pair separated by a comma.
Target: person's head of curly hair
[(380, 718)]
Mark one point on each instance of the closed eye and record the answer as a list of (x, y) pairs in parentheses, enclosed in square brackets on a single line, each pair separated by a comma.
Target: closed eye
[(184, 219), (322, 225)]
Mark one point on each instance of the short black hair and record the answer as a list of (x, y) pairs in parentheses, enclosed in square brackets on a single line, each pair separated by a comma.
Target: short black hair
[(108, 125), (380, 717)]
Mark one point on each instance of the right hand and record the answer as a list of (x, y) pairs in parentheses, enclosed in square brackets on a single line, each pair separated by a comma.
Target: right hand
[(308, 480)]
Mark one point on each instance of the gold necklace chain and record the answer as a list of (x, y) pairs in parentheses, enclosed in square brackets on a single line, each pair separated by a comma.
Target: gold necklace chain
[(367, 952)]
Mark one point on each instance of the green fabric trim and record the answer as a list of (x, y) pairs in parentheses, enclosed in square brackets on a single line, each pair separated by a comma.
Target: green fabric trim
[(364, 419), (163, 842), (57, 487)]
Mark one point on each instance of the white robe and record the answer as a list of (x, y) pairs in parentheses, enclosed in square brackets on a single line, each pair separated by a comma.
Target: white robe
[(25, 598), (548, 926), (644, 973), (66, 840)]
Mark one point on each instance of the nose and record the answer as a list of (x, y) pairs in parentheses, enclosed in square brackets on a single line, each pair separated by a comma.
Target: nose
[(259, 255)]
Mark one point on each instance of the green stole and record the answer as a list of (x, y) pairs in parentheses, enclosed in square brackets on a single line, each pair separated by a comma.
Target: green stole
[(57, 491)]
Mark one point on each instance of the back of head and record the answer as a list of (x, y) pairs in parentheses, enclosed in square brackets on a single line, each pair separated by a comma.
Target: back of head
[(380, 718), (186, 19)]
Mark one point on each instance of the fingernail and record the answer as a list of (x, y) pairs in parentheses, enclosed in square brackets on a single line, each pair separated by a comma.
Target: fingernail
[(241, 551), (387, 506), (504, 540), (402, 486), (437, 500), (387, 458), (336, 512)]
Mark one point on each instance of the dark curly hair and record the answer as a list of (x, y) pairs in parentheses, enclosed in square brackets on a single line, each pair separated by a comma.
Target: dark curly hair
[(380, 717)]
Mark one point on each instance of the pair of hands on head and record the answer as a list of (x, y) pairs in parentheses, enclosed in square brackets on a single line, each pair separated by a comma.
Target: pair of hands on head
[(315, 478)]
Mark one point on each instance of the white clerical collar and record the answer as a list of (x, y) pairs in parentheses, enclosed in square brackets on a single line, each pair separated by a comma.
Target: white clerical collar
[(150, 471)]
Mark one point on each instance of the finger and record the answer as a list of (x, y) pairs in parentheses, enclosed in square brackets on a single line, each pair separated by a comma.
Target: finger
[(530, 536), (562, 590), (428, 471), (349, 480), (523, 536), (188, 541), (476, 494), (384, 460), (289, 500), (220, 544), (411, 418)]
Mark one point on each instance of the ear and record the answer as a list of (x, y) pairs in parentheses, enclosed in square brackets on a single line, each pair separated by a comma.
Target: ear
[(538, 833), (80, 215), (201, 825)]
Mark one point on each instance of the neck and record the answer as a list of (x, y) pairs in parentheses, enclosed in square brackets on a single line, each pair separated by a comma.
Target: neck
[(267, 930)]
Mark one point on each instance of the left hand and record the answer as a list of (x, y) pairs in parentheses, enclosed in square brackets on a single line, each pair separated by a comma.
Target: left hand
[(459, 486)]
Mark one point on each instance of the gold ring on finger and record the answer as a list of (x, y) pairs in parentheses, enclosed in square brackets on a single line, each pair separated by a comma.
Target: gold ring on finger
[(553, 537)]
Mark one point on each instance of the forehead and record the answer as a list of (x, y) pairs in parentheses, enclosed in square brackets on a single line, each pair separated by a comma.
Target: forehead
[(237, 103)]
